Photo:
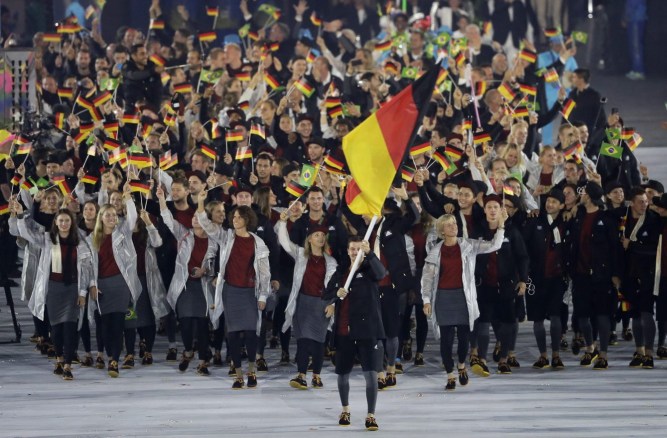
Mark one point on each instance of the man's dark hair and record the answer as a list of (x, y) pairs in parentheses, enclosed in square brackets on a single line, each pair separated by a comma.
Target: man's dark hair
[(135, 48), (584, 74)]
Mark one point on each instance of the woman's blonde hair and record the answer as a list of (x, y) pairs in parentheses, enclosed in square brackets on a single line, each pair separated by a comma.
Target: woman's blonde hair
[(98, 231), (308, 249), (442, 220), (519, 154)]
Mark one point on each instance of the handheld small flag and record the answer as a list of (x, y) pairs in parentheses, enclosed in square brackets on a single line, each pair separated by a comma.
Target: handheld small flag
[(209, 152), (407, 173), (528, 90), (611, 150), (568, 106), (243, 76), (551, 75), (506, 91), (634, 141), (580, 37), (294, 189), (528, 56), (420, 149), (207, 37), (212, 11), (140, 187), (65, 93), (157, 60), (304, 87), (315, 19), (520, 112), (89, 179), (60, 121), (156, 25), (551, 32), (4, 209), (335, 112), (111, 144), (131, 119), (481, 137), (381, 47), (627, 133), (183, 88), (308, 175), (271, 81), (454, 153), (331, 102), (243, 153), (234, 135), (258, 130), (52, 38), (466, 125)]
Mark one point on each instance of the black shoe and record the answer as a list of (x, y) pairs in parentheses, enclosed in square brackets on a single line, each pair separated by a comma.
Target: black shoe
[(595, 354), (382, 383), (273, 343), (232, 370), (147, 359), (316, 382), (128, 362), (419, 360), (496, 353), (76, 360), (34, 338), (238, 383), (600, 364), (576, 346), (613, 339), (217, 360), (503, 368), (557, 363), (407, 349), (262, 367), (67, 374), (344, 419), (99, 363), (390, 380), (563, 344), (647, 362), (87, 361), (252, 380), (172, 355), (284, 358), (112, 370), (586, 359), (451, 384), (541, 363), (661, 353), (399, 368), (44, 347), (142, 349), (463, 377), (478, 367), (51, 353), (298, 383), (202, 369), (58, 371), (371, 424), (513, 363), (185, 362), (636, 361), (627, 334)]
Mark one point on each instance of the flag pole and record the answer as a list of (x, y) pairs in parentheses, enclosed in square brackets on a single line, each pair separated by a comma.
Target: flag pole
[(357, 260)]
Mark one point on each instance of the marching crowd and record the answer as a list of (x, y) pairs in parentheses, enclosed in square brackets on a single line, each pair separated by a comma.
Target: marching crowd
[(182, 182)]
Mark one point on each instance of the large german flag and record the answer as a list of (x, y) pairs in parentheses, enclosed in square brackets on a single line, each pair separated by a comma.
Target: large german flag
[(375, 149)]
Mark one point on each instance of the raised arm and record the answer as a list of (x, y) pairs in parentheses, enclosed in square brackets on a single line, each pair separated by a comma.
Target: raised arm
[(215, 232), (290, 247)]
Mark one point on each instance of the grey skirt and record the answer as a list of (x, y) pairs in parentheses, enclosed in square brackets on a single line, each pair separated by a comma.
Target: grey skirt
[(241, 311), (192, 302), (143, 309), (451, 307), (309, 321), (115, 295), (62, 302)]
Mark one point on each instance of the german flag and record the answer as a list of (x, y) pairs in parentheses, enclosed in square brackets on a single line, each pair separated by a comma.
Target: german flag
[(245, 105), (234, 135), (117, 155), (331, 102), (391, 68), (164, 78), (183, 88), (243, 153), (271, 81), (82, 102), (442, 75), (244, 76), (96, 115), (156, 25), (294, 189), (441, 160), (486, 28), (273, 47), (520, 112), (168, 164), (551, 75), (140, 160), (480, 88), (207, 37), (170, 120), (212, 11), (26, 185), (460, 59), (165, 159), (481, 137), (317, 21), (60, 121), (140, 187), (90, 179), (24, 149), (16, 180), (304, 87), (528, 56), (4, 209), (102, 98), (330, 161), (551, 32), (111, 144), (506, 91), (508, 190), (65, 93), (130, 119), (528, 90), (52, 38), (375, 149), (81, 137), (466, 125), (253, 35), (454, 153), (634, 141), (381, 47), (209, 152), (310, 58), (258, 130), (64, 187), (572, 149), (69, 28), (420, 149), (627, 133), (407, 173), (336, 111), (568, 106), (157, 60)]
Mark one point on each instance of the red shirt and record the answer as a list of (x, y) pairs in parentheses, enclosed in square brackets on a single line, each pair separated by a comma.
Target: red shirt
[(419, 239), (107, 266), (66, 250), (585, 253), (240, 271), (451, 267), (184, 217), (197, 255), (140, 248), (546, 179), (552, 264), (313, 279), (491, 277)]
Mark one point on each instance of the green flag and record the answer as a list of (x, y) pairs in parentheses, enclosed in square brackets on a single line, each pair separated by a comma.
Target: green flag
[(308, 175), (243, 30), (611, 151), (613, 133), (442, 39), (210, 76), (580, 37), (409, 72), (109, 84)]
